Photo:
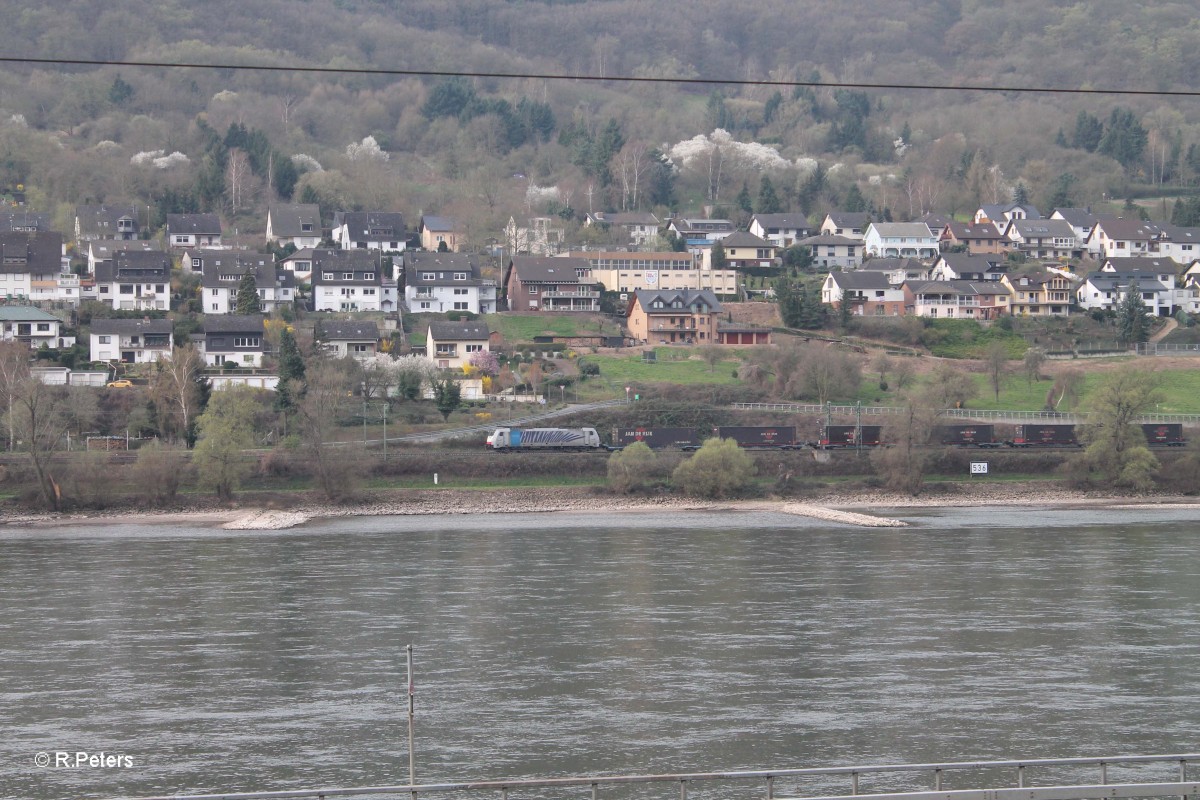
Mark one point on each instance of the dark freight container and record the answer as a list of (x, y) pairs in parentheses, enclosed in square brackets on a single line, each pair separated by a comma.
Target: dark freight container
[(845, 436), (971, 435), (657, 438), (1166, 434), (1043, 435), (756, 436)]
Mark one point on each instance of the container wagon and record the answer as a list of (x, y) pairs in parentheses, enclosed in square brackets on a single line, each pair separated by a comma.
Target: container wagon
[(1167, 434), (847, 436), (974, 435), (562, 439), (1044, 435), (769, 437), (658, 438)]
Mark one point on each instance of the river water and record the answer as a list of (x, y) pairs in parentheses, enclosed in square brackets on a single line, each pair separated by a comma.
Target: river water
[(552, 645)]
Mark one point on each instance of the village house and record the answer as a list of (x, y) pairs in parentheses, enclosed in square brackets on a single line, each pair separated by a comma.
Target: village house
[(370, 230), (348, 338), (851, 224), (979, 239), (233, 338), (900, 240), (135, 280), (937, 223), (698, 234), (867, 293), (24, 221), (1044, 294), (107, 222), (542, 237), (30, 266), (351, 280), (743, 251), (1042, 238), (437, 282), (1081, 220), (1003, 213), (830, 251), (438, 231), (193, 230), (452, 344), (978, 300), (898, 270), (1121, 238), (298, 224), (222, 272), (299, 264), (684, 317), (98, 250), (640, 227), (1181, 244), (781, 230), (129, 341), (962, 266), (541, 283), (625, 271), (1107, 290), (32, 327)]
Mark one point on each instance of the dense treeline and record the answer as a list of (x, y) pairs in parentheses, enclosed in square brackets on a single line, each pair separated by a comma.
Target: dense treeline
[(487, 148)]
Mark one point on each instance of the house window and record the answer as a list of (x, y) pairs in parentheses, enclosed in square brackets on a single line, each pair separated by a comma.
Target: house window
[(428, 276), (126, 288), (105, 339), (533, 290), (247, 341), (460, 276), (474, 348), (103, 290), (326, 276), (306, 227), (195, 263), (460, 307), (181, 239), (214, 292), (43, 326), (347, 276), (215, 307), (160, 287), (368, 276), (368, 292), (460, 292), (425, 306)]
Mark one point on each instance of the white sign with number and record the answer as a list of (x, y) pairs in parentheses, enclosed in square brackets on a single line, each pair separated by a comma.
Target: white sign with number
[(979, 468)]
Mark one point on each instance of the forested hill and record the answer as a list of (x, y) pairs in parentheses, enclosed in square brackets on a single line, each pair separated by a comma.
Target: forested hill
[(73, 134)]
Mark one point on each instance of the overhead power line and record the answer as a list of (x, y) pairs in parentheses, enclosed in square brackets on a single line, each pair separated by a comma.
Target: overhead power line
[(427, 73)]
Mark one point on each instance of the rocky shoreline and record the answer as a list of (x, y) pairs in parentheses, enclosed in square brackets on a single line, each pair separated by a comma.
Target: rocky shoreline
[(852, 507)]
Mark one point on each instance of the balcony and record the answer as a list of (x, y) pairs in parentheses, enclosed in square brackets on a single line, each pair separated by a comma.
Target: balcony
[(575, 295)]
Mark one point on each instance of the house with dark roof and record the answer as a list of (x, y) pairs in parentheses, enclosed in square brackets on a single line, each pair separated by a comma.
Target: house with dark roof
[(744, 251), (436, 282), (1003, 213), (700, 233), (193, 230), (370, 230), (978, 300), (979, 239), (1181, 244), (1108, 289), (354, 338), (1042, 238), (32, 327), (851, 224), (452, 344), (299, 264), (235, 338), (547, 283), (898, 270), (1120, 238), (351, 280), (121, 222), (900, 240), (1081, 219), (298, 224), (30, 264), (436, 231), (868, 293), (1039, 294), (24, 222), (966, 267), (640, 227), (130, 341), (781, 230), (135, 280), (98, 250), (937, 223), (222, 272), (831, 251), (683, 316)]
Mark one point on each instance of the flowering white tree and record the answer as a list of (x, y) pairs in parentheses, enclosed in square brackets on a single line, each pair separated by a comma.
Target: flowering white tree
[(367, 150)]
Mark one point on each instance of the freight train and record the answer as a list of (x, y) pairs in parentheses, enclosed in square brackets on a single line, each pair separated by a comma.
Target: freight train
[(784, 437)]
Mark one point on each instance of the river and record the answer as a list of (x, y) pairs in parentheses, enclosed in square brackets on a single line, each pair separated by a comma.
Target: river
[(551, 645)]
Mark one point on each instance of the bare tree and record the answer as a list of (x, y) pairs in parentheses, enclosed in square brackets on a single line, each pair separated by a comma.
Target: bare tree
[(175, 391), (632, 163), (14, 370), (995, 361), (882, 364), (237, 174), (40, 426), (326, 390), (712, 355)]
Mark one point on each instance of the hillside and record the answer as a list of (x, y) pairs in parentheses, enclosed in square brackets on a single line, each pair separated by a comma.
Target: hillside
[(488, 148)]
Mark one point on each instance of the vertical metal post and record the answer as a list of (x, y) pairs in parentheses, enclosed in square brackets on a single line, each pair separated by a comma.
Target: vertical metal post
[(595, 791), (683, 790), (385, 430), (1103, 773), (853, 783), (412, 762), (1020, 777), (1183, 775), (770, 787), (937, 780), (364, 418)]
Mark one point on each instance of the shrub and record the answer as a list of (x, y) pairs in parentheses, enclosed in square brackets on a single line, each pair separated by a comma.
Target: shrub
[(632, 469), (158, 471), (718, 469)]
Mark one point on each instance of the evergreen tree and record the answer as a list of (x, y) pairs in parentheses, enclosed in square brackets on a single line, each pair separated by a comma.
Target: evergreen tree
[(771, 107), (1124, 138), (247, 301), (291, 372), (1021, 194), (1061, 197), (717, 257), (768, 200), (284, 176), (661, 181), (448, 396), (789, 300), (1088, 131), (743, 200), (1133, 319), (854, 200), (1061, 139), (812, 310)]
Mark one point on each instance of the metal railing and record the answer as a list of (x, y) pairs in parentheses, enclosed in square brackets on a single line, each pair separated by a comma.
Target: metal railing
[(952, 413), (935, 772)]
